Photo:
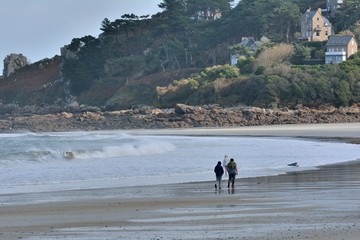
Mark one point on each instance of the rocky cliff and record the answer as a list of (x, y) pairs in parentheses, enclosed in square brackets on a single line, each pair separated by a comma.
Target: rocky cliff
[(40, 83)]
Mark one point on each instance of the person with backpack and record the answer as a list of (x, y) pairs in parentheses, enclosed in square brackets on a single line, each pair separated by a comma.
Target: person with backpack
[(219, 172), (232, 172)]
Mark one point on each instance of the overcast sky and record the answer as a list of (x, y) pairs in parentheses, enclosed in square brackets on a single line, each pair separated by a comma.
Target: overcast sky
[(39, 28)]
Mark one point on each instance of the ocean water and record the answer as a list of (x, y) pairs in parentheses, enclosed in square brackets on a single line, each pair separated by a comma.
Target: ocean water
[(36, 162)]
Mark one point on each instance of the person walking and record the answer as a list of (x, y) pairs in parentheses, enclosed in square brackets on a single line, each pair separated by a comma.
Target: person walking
[(219, 172), (232, 170), (225, 163)]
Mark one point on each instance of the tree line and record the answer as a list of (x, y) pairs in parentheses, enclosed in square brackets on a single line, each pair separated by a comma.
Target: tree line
[(189, 35)]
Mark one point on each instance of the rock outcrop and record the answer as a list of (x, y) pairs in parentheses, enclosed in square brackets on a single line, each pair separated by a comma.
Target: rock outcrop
[(14, 62), (182, 116), (66, 53)]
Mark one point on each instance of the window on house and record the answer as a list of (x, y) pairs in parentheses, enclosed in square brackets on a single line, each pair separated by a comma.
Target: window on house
[(326, 33), (317, 34)]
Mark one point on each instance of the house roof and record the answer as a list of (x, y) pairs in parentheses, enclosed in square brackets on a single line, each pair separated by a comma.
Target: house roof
[(326, 22), (339, 40), (247, 42), (310, 14)]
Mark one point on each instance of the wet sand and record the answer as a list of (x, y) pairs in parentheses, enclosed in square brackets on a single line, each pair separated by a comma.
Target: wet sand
[(331, 130), (317, 204)]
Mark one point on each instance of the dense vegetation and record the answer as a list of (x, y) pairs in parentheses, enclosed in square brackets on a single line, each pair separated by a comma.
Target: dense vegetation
[(182, 55)]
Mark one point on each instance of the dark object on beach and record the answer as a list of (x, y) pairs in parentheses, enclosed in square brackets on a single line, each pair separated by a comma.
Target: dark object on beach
[(294, 164)]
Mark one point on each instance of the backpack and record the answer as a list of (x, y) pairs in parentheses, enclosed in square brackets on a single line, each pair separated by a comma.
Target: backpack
[(231, 170)]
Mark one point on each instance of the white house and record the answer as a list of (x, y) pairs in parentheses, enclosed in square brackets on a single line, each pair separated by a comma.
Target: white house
[(340, 48)]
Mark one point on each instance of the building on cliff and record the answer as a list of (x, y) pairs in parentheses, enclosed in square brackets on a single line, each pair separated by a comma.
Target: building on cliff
[(315, 27), (340, 48)]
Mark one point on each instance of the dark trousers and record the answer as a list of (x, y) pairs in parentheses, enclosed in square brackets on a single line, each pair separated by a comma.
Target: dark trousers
[(231, 179), (218, 180)]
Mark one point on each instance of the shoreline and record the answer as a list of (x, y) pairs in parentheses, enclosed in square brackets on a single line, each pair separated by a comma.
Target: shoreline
[(310, 204), (321, 130)]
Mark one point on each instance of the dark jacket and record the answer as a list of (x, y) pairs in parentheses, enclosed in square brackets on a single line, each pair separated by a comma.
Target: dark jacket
[(219, 171)]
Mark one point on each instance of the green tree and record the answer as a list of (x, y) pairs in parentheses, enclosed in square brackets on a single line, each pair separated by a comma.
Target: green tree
[(89, 66), (246, 64), (347, 16), (172, 6), (343, 93), (106, 26), (301, 53), (241, 50), (207, 9), (276, 19), (287, 18), (215, 72)]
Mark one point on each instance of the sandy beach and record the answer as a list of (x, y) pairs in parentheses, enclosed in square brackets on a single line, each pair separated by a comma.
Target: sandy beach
[(316, 204)]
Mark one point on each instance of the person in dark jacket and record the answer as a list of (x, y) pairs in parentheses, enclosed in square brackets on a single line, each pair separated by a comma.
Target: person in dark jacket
[(219, 172)]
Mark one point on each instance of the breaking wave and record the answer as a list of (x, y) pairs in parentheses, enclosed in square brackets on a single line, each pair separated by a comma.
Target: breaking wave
[(38, 155), (124, 150)]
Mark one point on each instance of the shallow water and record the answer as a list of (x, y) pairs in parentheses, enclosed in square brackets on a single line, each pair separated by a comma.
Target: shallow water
[(35, 162)]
